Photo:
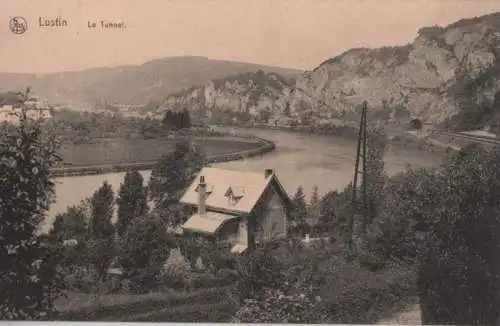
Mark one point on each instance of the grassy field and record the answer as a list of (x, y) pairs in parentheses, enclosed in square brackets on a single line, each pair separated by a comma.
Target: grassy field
[(116, 151), (205, 305)]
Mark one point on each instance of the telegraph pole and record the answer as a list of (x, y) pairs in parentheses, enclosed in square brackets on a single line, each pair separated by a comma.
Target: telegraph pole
[(360, 154)]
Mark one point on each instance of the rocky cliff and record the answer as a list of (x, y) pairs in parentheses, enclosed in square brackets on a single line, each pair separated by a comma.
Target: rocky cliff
[(252, 94), (444, 71)]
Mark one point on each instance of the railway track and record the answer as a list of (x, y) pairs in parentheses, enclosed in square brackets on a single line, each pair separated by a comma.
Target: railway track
[(478, 139)]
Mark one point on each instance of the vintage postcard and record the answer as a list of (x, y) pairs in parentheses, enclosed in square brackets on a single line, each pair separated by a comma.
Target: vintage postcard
[(235, 161)]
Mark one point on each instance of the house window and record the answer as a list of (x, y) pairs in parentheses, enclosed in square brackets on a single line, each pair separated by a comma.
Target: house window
[(243, 232)]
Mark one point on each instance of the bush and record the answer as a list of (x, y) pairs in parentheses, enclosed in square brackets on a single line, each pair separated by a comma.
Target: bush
[(203, 280), (321, 286), (459, 272), (227, 276), (279, 307), (175, 275), (256, 270)]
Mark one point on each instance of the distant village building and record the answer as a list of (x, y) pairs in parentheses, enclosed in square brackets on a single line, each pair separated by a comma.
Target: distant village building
[(239, 208), (36, 109)]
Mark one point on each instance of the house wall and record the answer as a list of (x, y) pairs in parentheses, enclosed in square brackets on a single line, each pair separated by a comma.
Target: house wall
[(271, 218), (229, 232)]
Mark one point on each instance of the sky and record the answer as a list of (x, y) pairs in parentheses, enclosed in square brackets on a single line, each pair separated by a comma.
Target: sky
[(288, 33)]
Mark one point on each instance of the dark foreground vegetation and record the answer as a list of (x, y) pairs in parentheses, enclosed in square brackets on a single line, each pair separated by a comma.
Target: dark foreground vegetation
[(426, 235)]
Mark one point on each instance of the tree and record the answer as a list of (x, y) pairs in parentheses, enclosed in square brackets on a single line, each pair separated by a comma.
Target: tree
[(30, 280), (171, 176), (314, 205), (375, 176), (177, 120), (168, 119), (298, 214), (102, 211), (72, 226), (101, 244), (459, 269), (132, 200), (334, 210), (186, 119), (409, 197), (144, 250)]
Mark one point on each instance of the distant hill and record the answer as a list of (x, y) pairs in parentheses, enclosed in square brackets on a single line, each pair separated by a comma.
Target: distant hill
[(151, 81)]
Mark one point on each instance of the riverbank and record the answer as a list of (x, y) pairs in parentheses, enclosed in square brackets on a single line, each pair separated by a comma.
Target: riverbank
[(258, 146), (397, 136)]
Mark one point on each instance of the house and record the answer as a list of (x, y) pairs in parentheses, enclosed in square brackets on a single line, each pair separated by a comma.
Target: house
[(239, 208)]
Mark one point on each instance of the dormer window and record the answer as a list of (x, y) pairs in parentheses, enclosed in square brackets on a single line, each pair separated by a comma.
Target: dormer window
[(233, 194)]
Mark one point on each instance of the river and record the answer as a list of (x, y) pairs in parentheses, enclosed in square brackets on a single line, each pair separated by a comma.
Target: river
[(299, 159)]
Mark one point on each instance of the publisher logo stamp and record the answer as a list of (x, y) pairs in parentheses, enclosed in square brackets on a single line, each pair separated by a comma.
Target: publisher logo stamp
[(18, 25)]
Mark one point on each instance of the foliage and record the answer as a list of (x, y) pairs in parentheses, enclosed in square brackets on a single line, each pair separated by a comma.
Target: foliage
[(470, 117), (257, 270), (170, 178), (490, 19), (132, 200), (73, 225), (461, 244), (11, 98), (177, 120), (279, 307), (447, 219), (313, 209), (410, 196), (318, 285), (435, 33), (297, 225), (29, 277), (101, 246), (399, 54), (375, 175), (143, 251), (494, 119), (334, 211), (176, 271), (215, 255), (102, 202)]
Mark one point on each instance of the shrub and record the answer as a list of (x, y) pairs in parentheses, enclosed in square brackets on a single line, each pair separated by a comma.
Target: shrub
[(203, 280), (353, 294), (256, 270), (321, 286), (459, 272), (227, 276), (176, 273), (279, 307)]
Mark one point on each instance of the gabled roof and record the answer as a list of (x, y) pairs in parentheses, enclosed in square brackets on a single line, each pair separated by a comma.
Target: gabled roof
[(249, 185)]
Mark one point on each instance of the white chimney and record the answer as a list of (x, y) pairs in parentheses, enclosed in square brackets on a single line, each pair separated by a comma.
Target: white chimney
[(202, 190)]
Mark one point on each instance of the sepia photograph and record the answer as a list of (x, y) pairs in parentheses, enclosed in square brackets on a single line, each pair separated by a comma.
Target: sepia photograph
[(236, 161)]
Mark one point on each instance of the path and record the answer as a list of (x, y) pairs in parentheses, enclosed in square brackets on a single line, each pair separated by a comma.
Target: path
[(409, 316)]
